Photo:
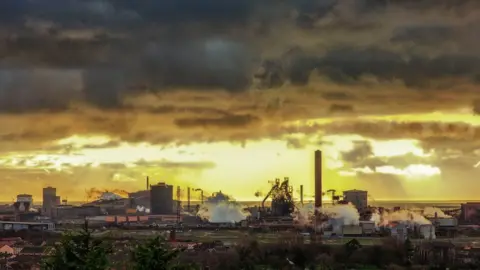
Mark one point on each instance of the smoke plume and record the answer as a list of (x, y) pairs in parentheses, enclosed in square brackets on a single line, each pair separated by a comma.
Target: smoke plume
[(402, 216), (431, 212), (347, 214), (303, 214), (142, 209), (222, 212)]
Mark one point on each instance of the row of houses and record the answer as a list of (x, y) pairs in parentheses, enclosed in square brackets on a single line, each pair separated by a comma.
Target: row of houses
[(23, 254)]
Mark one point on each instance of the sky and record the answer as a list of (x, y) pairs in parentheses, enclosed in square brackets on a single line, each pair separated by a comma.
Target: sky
[(229, 95)]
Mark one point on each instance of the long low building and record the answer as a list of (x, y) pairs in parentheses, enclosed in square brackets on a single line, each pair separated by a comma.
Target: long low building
[(117, 219), (34, 226)]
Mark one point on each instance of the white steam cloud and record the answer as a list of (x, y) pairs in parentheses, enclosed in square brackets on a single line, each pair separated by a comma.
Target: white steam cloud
[(303, 214), (222, 212), (347, 214), (404, 216), (407, 217), (430, 212), (142, 209)]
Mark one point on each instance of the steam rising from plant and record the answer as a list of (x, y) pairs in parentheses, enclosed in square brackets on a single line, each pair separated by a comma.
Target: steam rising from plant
[(405, 216), (223, 212), (303, 214), (221, 208), (142, 209), (430, 212), (346, 214)]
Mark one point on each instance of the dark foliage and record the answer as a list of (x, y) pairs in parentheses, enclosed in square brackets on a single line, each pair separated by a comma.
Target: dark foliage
[(156, 254), (79, 251)]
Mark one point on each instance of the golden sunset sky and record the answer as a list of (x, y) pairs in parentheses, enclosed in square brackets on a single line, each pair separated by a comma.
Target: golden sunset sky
[(228, 95)]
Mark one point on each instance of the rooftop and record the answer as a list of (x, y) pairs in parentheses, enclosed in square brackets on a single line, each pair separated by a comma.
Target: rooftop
[(25, 223), (354, 190), (35, 250)]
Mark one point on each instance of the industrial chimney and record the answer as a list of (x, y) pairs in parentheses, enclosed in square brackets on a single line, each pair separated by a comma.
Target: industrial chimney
[(301, 194), (148, 183), (318, 179)]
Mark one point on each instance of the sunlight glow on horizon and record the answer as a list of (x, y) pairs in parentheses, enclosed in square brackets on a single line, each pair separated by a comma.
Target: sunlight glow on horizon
[(239, 170)]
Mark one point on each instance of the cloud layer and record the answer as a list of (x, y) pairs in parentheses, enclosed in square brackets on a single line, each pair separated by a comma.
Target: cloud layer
[(206, 71), (114, 48)]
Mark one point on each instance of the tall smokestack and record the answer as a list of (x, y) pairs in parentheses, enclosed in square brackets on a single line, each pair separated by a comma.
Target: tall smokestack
[(148, 183), (301, 194), (318, 179), (188, 199)]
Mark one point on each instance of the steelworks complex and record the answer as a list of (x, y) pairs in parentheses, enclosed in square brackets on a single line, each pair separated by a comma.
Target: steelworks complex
[(159, 205)]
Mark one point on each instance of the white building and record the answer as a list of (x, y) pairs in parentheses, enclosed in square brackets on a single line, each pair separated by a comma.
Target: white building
[(22, 198)]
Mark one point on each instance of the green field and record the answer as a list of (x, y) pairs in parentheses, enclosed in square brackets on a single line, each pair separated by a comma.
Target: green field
[(234, 236)]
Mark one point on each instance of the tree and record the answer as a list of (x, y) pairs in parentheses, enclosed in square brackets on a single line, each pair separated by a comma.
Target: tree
[(299, 258), (79, 251), (409, 251), (156, 254), (248, 255), (4, 256), (351, 246)]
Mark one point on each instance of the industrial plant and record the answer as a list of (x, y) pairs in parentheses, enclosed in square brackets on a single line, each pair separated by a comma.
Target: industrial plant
[(160, 205)]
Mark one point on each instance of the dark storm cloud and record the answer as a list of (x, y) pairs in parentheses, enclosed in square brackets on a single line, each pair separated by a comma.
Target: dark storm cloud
[(424, 35), (296, 143), (231, 121), (127, 47), (431, 131), (170, 109), (361, 150), (362, 156), (349, 64)]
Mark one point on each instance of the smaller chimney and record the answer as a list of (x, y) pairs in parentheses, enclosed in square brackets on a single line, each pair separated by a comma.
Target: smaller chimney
[(301, 194), (148, 183), (318, 178), (188, 199)]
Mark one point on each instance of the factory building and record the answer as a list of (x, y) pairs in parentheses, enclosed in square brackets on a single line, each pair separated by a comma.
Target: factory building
[(31, 226), (140, 198), (114, 206), (72, 212), (161, 199), (359, 198), (22, 208), (25, 198), (469, 212), (49, 200), (23, 203)]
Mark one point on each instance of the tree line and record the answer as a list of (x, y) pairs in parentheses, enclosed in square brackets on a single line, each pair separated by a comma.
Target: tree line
[(82, 251)]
